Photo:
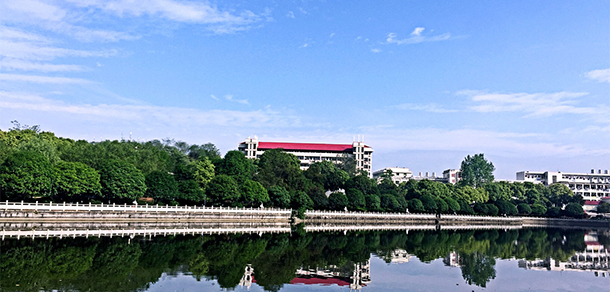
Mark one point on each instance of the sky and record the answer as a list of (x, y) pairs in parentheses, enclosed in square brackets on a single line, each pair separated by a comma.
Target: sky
[(424, 83)]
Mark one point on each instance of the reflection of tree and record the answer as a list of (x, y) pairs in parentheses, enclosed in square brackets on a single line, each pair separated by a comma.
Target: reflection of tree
[(477, 268)]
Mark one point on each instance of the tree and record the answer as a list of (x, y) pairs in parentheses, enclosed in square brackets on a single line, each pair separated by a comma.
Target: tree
[(498, 191), (603, 208), (373, 203), (416, 206), (362, 183), (223, 190), (279, 197), (442, 206), (253, 193), (574, 210), (75, 181), (25, 174), (506, 208), (389, 203), (453, 205), (121, 181), (538, 209), (553, 212), (524, 209), (356, 200), (278, 168), (327, 174), (208, 151), (318, 197), (337, 201), (429, 203), (477, 268), (560, 195), (236, 165), (492, 210), (161, 186), (300, 199), (476, 171), (190, 192), (204, 172), (481, 209)]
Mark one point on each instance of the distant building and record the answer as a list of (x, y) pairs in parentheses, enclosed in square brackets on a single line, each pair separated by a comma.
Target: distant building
[(452, 176), (591, 186), (309, 153), (399, 174)]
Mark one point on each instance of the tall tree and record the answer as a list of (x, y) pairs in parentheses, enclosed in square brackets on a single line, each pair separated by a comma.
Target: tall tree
[(161, 186), (236, 165), (253, 193), (75, 181), (278, 168), (25, 174), (121, 181), (223, 190), (476, 171)]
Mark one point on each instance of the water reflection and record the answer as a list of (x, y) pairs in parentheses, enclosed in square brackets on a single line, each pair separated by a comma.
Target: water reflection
[(272, 261)]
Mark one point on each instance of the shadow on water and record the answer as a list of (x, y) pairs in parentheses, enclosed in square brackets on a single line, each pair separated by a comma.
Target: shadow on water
[(272, 260)]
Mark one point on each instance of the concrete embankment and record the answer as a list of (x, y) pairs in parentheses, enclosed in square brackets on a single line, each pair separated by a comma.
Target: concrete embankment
[(443, 221)]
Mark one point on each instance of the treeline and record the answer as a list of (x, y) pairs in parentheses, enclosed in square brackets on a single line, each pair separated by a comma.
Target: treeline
[(37, 165), (120, 264)]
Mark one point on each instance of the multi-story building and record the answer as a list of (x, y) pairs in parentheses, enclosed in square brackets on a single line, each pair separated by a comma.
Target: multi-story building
[(309, 153), (399, 174), (452, 176), (591, 186)]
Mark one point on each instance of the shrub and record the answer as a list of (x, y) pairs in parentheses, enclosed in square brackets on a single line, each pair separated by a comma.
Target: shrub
[(538, 209), (524, 209), (415, 205)]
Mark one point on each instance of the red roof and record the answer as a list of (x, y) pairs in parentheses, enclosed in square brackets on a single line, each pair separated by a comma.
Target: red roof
[(306, 146), (319, 281), (592, 202)]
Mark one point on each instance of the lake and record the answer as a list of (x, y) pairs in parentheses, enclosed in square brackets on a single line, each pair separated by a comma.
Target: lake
[(399, 260)]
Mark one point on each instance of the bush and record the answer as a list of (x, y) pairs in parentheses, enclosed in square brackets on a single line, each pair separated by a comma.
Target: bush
[(603, 208), (553, 212), (356, 199), (574, 210), (524, 209), (373, 203), (454, 206), (506, 208), (480, 208), (465, 208), (416, 206), (492, 210), (442, 206), (337, 201), (538, 209), (389, 203), (429, 203)]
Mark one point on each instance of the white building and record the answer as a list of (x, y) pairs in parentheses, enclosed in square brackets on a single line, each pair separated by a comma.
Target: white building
[(399, 174), (309, 153), (591, 186), (452, 176)]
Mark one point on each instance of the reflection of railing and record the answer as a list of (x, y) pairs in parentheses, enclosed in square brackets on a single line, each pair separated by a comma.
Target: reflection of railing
[(346, 227), (135, 208), (142, 231)]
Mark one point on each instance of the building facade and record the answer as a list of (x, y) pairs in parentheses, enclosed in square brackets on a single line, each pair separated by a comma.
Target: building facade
[(399, 174), (591, 186), (309, 153)]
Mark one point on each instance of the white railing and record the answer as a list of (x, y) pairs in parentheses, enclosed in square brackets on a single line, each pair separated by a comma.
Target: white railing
[(136, 208), (368, 214), (138, 232)]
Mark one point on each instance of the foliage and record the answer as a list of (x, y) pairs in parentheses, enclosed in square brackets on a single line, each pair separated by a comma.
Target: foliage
[(121, 181), (236, 165), (373, 203), (161, 186), (553, 212), (477, 268), (524, 209), (603, 208), (75, 180), (25, 174), (506, 208), (453, 205), (389, 203), (318, 197), (278, 168), (356, 200), (574, 210), (416, 206), (279, 197), (190, 192), (429, 203), (223, 190), (476, 171), (300, 199), (327, 174), (204, 171), (337, 201), (538, 209), (254, 193)]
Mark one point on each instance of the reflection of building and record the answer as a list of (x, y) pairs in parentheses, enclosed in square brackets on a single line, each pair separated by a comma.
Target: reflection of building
[(247, 278), (355, 278), (595, 258), (399, 174), (400, 256), (452, 259), (309, 153), (591, 186)]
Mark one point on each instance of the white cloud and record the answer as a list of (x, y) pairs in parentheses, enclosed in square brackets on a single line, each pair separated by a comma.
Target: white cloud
[(417, 31), (15, 64), (535, 104), (214, 97), (416, 38), (41, 79), (434, 108), (290, 14), (332, 35), (376, 50), (602, 75), (151, 115), (302, 10), (231, 99)]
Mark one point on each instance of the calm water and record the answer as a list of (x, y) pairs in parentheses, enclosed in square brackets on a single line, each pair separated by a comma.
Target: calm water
[(495, 260)]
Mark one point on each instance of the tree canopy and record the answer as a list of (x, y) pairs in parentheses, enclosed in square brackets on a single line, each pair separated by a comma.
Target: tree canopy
[(476, 171)]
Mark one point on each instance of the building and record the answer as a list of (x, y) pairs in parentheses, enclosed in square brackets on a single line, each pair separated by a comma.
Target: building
[(591, 186), (452, 176), (399, 174), (309, 153)]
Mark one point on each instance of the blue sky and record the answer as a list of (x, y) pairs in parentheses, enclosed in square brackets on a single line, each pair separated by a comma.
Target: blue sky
[(425, 82)]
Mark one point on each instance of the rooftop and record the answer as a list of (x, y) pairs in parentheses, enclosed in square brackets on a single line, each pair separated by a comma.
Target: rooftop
[(306, 146)]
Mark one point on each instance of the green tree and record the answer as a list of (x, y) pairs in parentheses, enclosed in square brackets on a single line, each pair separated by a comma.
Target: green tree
[(236, 165), (362, 183), (453, 205), (442, 206), (25, 174), (553, 212), (253, 193), (203, 172), (524, 209), (300, 199), (476, 171), (161, 186), (121, 181), (278, 168), (574, 210), (477, 268), (538, 209), (337, 201), (498, 191), (492, 210), (279, 197), (429, 203), (327, 174), (389, 203), (356, 199), (416, 206), (603, 208), (190, 192), (318, 197), (506, 208), (223, 190), (560, 195), (75, 181), (373, 203)]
